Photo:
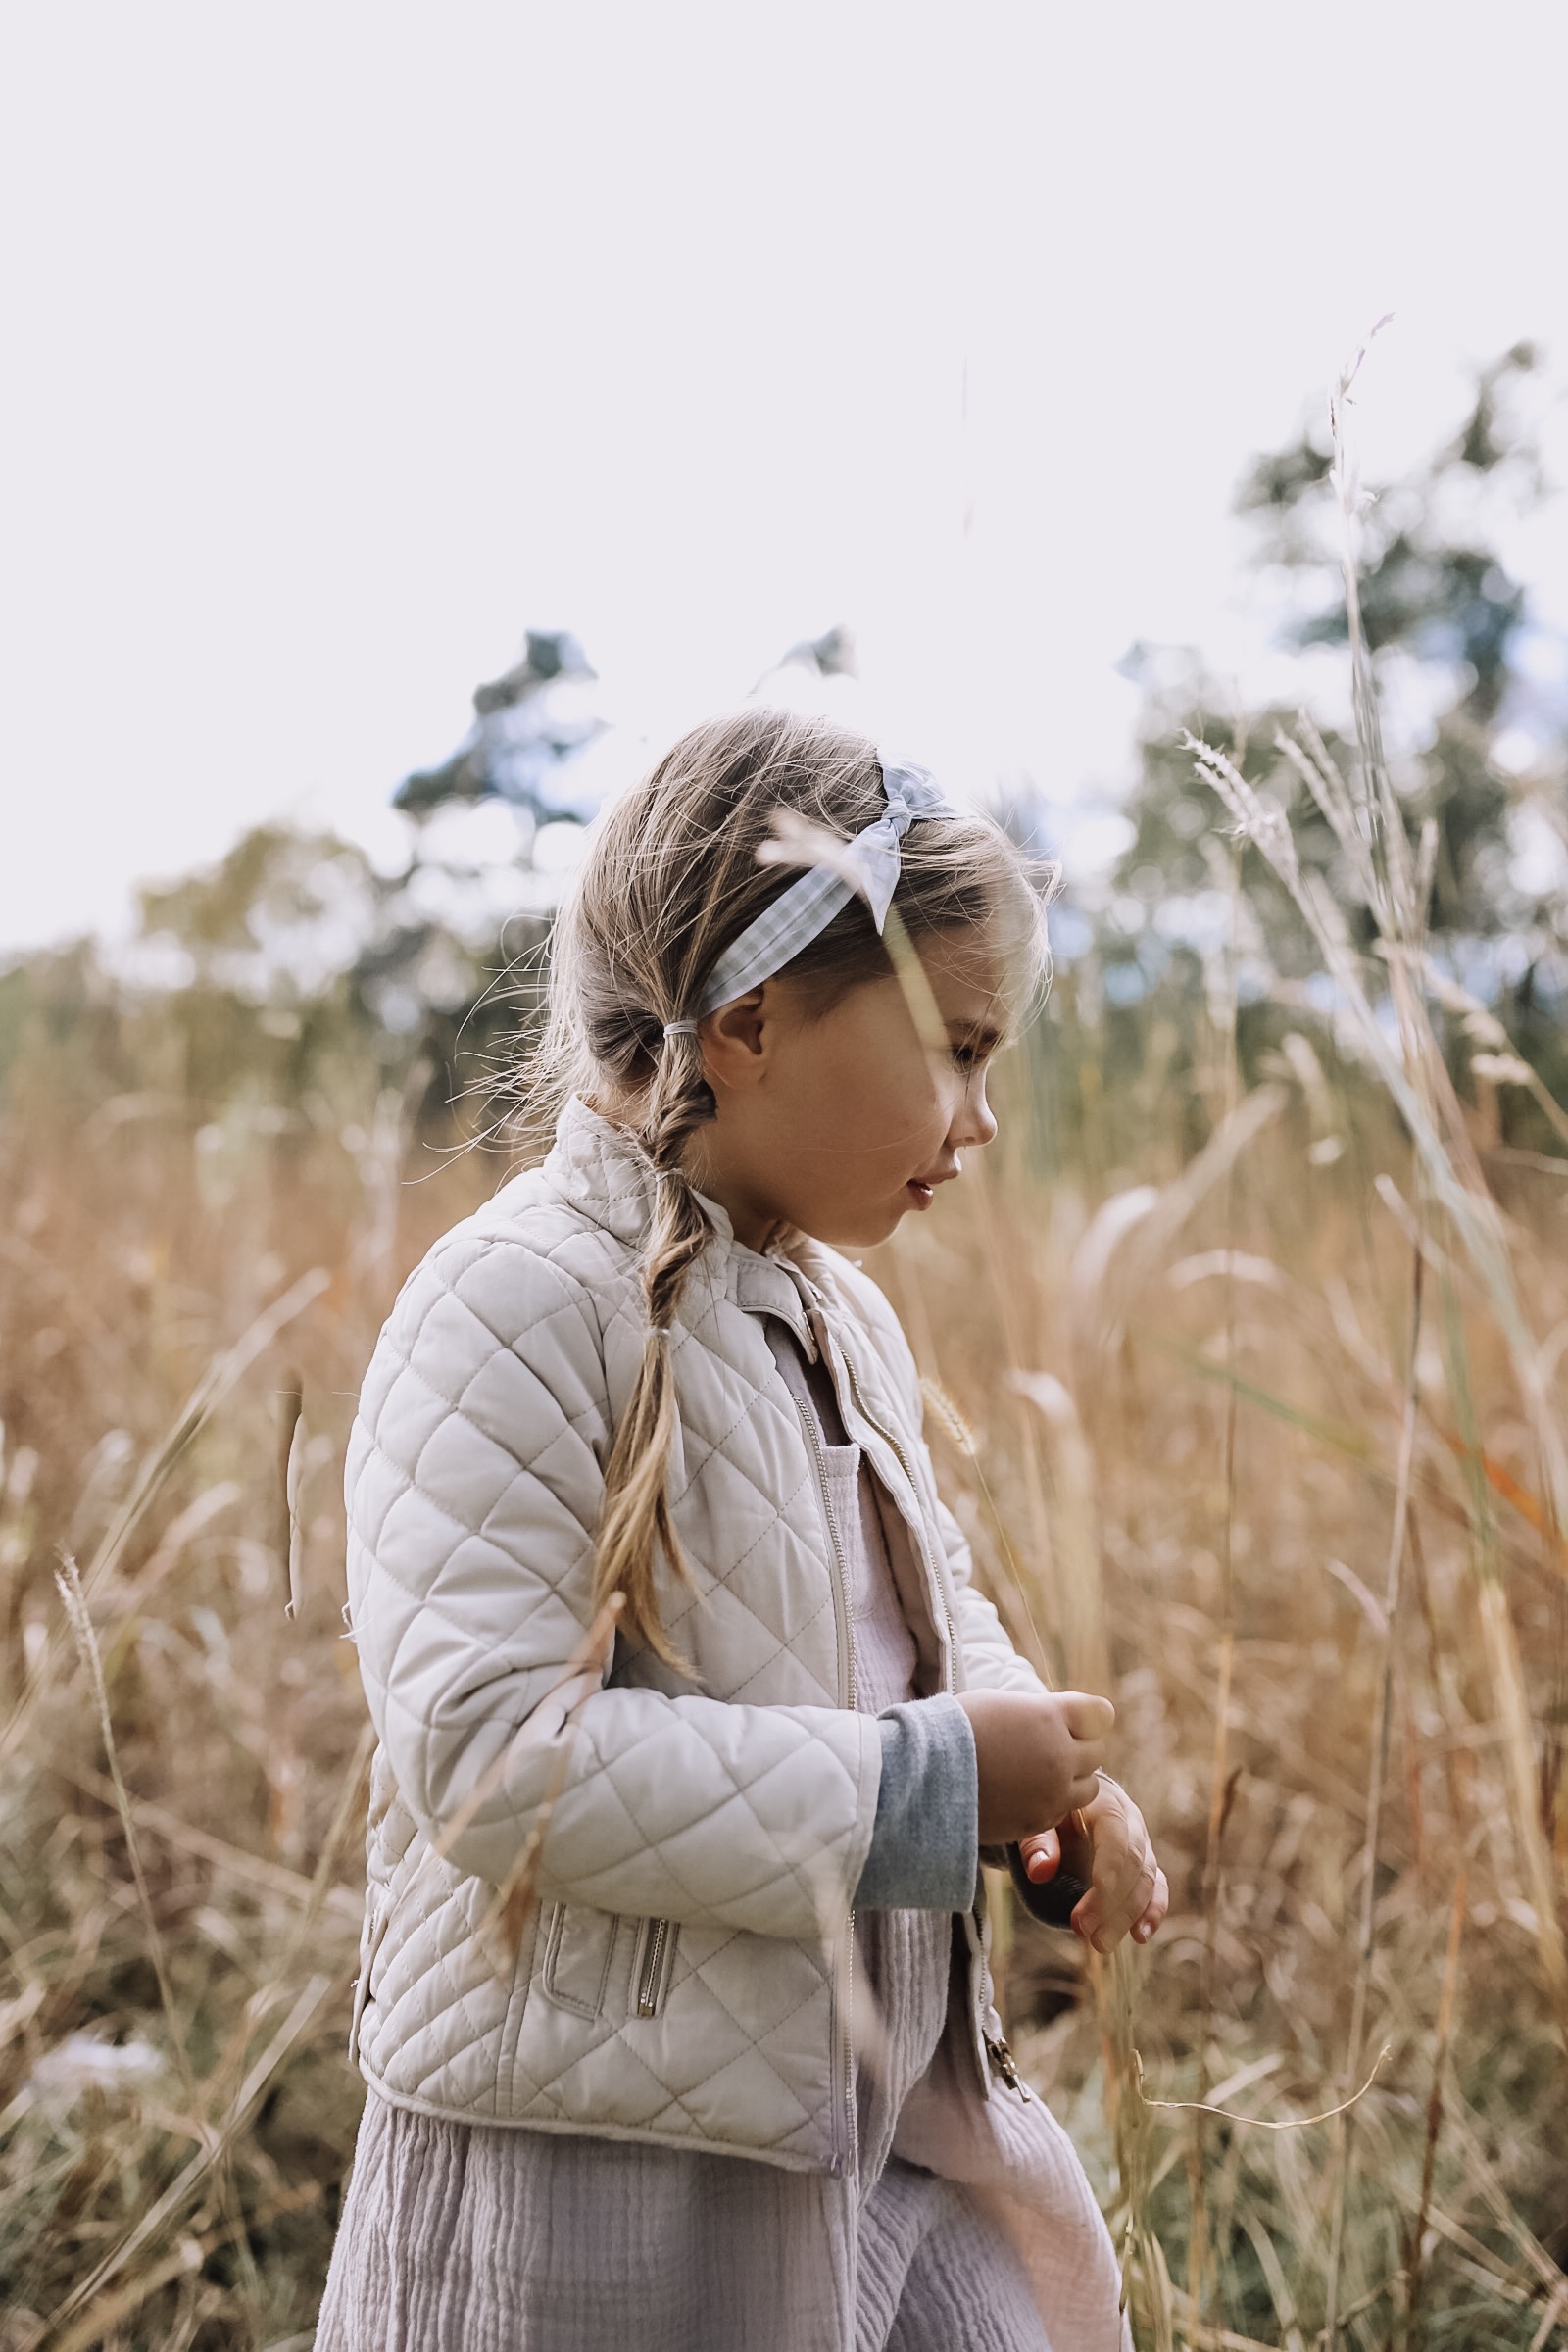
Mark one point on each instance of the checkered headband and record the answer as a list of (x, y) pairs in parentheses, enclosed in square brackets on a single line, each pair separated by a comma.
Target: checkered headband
[(806, 907)]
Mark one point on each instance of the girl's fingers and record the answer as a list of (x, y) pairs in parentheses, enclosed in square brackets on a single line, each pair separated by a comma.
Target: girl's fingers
[(1141, 1913), (1128, 1893), (1130, 1890), (1126, 1890), (1109, 1914), (1041, 1856), (1153, 1916)]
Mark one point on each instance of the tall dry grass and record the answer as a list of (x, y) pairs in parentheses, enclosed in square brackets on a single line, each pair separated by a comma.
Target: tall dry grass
[(1186, 1381), (1220, 1364), (186, 1308)]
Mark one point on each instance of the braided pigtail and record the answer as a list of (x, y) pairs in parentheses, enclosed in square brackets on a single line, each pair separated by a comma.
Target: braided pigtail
[(637, 1523)]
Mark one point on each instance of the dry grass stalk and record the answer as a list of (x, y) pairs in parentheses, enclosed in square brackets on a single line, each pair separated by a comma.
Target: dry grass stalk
[(1377, 1775), (1502, 1644), (216, 1382), (68, 1585), (1415, 2244), (1075, 1538), (1222, 1781), (1369, 826), (97, 2325), (1015, 1601), (179, 2194), (1259, 2122)]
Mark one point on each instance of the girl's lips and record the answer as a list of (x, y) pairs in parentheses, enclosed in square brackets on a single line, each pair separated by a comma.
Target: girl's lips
[(922, 1194)]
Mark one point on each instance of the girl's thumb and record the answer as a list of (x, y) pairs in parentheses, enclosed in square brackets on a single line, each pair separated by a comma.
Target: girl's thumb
[(1089, 1716), (1041, 1856)]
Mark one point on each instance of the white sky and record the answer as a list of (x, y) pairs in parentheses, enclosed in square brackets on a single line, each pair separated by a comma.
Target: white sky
[(347, 340)]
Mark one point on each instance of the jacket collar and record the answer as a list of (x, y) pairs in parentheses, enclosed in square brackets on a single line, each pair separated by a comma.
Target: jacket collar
[(596, 1168)]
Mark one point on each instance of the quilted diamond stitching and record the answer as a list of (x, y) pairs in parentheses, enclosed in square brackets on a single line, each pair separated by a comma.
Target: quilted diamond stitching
[(640, 1833)]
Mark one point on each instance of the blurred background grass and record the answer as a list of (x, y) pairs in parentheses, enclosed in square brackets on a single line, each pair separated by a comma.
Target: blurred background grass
[(1187, 1391)]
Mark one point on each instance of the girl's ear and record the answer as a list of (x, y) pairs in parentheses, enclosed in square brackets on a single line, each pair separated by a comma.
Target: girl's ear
[(736, 1040)]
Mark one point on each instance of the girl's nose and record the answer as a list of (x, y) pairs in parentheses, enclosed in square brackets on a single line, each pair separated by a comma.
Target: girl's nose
[(974, 1122)]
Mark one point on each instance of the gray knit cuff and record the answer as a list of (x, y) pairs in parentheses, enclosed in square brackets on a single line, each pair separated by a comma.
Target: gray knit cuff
[(924, 1852)]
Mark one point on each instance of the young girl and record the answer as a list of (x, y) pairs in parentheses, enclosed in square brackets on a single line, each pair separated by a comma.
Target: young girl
[(673, 2005)]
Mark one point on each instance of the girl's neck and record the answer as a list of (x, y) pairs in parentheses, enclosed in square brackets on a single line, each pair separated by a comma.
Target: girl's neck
[(753, 1223)]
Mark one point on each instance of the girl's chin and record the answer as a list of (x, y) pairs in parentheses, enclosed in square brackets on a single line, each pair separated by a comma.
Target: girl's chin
[(864, 1228)]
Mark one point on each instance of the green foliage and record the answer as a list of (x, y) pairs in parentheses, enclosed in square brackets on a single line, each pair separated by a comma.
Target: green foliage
[(1445, 622), (288, 972), (1430, 581)]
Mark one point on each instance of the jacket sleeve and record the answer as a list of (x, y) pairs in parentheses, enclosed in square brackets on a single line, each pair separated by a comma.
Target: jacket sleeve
[(474, 1489)]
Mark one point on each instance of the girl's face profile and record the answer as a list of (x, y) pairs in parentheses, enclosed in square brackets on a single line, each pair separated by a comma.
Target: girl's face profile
[(841, 1123)]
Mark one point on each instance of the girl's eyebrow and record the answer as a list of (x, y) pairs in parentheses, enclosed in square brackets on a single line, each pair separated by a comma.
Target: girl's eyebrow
[(981, 1034)]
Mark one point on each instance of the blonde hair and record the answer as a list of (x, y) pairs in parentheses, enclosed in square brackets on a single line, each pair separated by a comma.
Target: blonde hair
[(670, 881)]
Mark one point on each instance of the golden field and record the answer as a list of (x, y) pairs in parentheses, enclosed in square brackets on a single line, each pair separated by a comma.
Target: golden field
[(1202, 1430)]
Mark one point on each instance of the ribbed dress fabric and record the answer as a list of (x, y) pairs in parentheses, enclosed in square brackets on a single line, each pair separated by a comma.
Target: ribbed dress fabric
[(464, 2237)]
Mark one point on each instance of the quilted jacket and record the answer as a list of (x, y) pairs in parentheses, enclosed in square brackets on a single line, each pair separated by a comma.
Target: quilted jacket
[(683, 1976)]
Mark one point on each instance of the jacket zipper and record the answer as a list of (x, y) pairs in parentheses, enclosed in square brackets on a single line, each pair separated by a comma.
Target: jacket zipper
[(648, 1974), (847, 1687)]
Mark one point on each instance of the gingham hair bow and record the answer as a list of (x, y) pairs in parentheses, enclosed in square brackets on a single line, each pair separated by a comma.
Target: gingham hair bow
[(808, 906)]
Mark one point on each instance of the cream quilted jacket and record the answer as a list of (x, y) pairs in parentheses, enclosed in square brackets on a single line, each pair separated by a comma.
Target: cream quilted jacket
[(684, 1975)]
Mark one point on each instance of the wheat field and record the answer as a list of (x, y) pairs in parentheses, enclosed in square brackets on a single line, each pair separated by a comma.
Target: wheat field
[(1178, 1407)]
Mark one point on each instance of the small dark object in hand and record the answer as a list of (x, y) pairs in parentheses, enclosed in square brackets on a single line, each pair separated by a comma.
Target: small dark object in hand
[(1054, 1900)]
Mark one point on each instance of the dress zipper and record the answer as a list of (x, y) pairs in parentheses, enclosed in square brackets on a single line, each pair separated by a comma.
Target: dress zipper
[(1007, 2065)]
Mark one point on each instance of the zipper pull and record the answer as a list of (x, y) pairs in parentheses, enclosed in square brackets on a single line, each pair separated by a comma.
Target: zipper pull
[(1007, 2065)]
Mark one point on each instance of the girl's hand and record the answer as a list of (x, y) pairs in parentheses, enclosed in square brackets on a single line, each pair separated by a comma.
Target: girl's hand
[(1037, 1756), (1127, 1889)]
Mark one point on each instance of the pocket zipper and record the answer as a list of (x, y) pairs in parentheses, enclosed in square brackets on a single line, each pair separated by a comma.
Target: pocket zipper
[(647, 1976)]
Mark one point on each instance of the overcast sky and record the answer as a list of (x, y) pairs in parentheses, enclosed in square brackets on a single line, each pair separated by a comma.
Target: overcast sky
[(345, 341)]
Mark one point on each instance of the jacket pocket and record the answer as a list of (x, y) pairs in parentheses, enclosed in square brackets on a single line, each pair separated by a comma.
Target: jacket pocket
[(653, 1966), (579, 1953)]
